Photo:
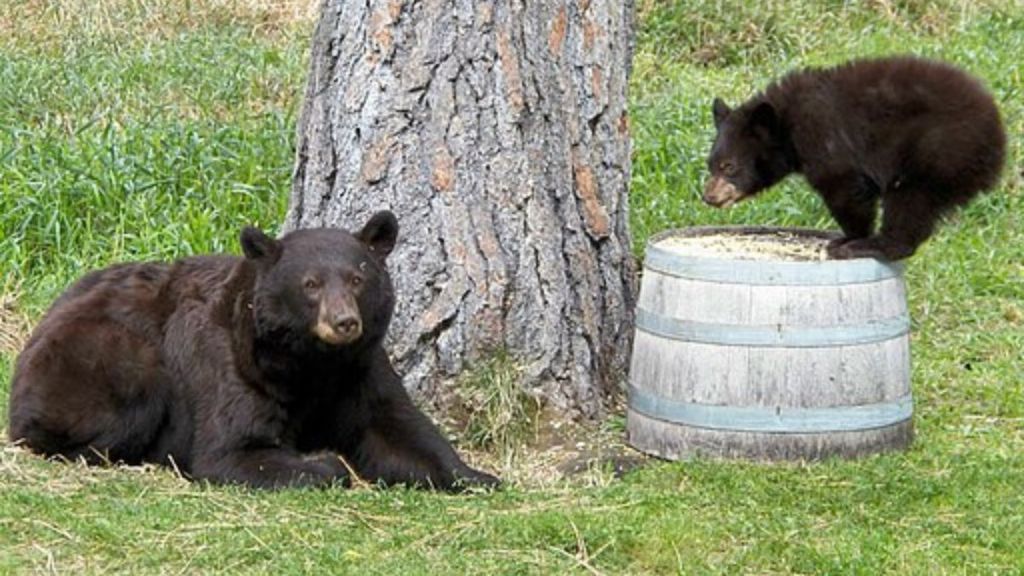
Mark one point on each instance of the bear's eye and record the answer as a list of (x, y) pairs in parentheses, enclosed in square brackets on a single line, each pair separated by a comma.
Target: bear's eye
[(727, 167), (311, 283), (356, 281)]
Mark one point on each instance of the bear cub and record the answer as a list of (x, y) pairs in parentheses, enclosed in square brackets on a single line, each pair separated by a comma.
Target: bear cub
[(266, 370), (919, 136)]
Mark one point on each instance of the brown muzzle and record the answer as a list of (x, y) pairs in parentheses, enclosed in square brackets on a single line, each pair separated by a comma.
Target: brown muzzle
[(338, 320), (720, 193)]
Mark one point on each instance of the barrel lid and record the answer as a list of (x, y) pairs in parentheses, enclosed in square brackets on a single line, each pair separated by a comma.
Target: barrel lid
[(780, 269)]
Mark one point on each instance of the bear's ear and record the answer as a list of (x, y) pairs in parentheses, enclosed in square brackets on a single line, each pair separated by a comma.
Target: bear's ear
[(764, 120), (380, 233), (720, 110), (258, 246)]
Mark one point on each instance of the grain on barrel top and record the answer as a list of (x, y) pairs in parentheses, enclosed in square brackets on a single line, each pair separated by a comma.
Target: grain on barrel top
[(779, 245)]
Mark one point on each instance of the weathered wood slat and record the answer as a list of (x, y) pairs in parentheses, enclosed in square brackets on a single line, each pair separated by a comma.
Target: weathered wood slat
[(805, 363)]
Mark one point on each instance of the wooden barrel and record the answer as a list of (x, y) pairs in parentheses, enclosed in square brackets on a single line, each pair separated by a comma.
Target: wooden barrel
[(768, 359)]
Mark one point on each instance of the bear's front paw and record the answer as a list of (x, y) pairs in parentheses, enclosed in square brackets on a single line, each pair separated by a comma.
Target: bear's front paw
[(470, 478), (327, 465)]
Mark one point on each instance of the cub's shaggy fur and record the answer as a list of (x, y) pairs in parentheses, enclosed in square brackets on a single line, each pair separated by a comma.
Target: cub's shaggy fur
[(921, 136)]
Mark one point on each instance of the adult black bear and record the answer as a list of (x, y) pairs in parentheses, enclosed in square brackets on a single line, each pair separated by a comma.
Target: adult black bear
[(266, 370), (921, 135)]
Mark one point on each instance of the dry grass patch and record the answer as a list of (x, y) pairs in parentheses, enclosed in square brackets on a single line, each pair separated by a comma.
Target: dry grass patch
[(562, 455), (61, 24), (505, 429), (20, 467), (14, 324)]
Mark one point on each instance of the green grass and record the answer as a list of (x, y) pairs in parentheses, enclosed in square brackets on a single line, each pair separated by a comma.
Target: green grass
[(130, 130), (117, 147)]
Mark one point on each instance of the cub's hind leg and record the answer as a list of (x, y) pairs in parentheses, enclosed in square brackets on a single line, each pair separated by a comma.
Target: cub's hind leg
[(909, 217)]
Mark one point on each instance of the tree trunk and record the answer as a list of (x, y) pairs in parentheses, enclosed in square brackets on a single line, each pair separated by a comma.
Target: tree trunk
[(498, 134)]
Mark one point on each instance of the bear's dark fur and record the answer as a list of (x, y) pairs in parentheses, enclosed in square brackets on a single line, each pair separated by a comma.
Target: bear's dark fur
[(266, 370), (922, 136)]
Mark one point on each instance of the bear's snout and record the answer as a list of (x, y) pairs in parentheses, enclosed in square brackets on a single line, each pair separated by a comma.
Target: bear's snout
[(338, 320), (347, 323), (721, 193)]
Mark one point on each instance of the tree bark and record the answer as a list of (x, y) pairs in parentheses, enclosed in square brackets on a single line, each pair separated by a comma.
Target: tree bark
[(498, 134)]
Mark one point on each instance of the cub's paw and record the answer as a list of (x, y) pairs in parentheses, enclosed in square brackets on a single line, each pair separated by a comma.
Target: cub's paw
[(836, 243), (850, 248)]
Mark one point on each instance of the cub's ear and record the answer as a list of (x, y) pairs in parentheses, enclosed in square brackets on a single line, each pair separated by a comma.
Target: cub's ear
[(720, 110), (764, 120), (258, 246), (380, 233)]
